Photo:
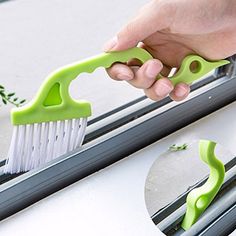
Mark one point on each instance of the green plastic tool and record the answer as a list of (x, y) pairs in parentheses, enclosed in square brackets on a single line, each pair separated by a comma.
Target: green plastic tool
[(53, 123), (200, 198), (53, 101)]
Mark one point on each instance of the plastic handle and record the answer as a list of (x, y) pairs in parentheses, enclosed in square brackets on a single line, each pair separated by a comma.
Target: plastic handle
[(66, 74), (200, 198), (202, 67), (53, 101)]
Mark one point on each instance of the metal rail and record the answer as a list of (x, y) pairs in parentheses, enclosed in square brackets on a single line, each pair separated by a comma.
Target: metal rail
[(174, 212)]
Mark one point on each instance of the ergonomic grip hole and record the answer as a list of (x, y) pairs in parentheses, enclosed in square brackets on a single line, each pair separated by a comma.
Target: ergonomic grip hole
[(195, 66)]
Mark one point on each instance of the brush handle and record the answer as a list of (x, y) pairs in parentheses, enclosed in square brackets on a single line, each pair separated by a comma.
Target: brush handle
[(63, 76), (193, 68), (53, 101)]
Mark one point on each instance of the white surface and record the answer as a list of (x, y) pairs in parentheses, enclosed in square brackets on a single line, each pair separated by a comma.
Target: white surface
[(111, 202)]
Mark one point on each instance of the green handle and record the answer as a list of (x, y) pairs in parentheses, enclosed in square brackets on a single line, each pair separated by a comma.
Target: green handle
[(187, 75), (200, 198), (66, 74), (53, 101)]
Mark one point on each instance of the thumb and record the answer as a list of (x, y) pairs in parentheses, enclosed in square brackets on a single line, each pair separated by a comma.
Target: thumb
[(151, 18)]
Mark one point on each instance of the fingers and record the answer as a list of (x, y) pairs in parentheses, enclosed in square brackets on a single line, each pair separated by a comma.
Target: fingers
[(160, 89), (180, 92), (163, 87), (140, 77), (144, 77), (153, 17), (120, 71)]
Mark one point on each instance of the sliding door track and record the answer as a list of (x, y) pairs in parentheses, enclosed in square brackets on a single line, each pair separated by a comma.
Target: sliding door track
[(115, 136), (169, 218)]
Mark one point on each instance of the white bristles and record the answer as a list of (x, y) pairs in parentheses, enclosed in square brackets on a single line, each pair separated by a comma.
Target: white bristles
[(35, 144)]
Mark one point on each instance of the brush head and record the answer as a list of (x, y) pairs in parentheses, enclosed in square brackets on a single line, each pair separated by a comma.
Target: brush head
[(53, 123), (32, 145)]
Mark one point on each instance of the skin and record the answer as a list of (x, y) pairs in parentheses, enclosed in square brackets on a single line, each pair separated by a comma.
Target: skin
[(171, 30)]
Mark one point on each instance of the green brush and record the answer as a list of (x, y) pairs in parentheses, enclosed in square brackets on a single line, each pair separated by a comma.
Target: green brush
[(53, 124)]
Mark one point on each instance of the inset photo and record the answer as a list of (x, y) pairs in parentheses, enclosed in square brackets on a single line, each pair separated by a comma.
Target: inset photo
[(189, 188)]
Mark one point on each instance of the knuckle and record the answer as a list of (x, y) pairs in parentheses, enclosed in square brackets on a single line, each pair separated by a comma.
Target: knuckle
[(151, 95), (113, 71)]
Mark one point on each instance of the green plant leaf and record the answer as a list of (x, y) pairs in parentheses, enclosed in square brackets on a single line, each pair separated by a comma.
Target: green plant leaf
[(175, 148), (10, 97), (10, 94), (22, 101), (4, 101)]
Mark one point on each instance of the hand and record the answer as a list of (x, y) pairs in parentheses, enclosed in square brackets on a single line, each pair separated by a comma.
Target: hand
[(170, 30)]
